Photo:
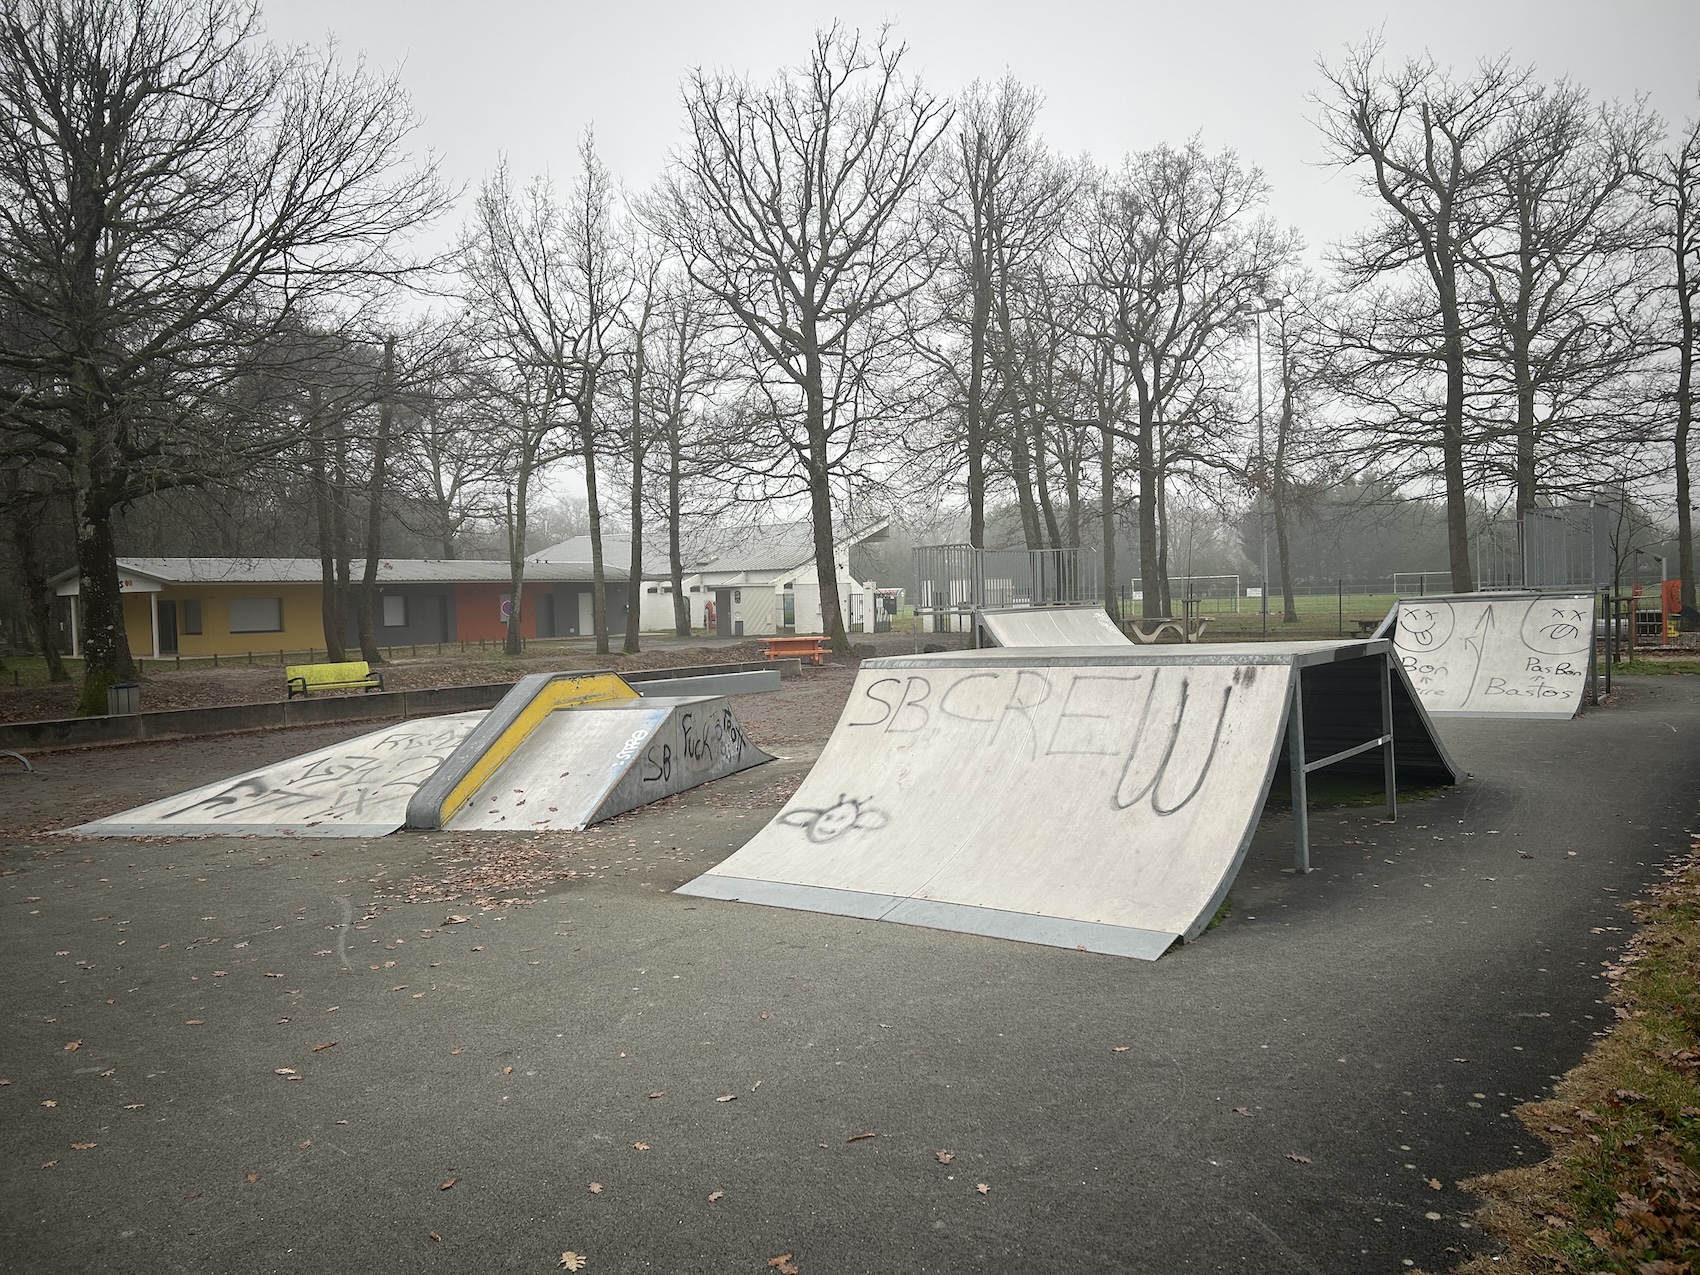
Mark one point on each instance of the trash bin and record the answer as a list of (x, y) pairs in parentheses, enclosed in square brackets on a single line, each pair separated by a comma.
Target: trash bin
[(123, 697)]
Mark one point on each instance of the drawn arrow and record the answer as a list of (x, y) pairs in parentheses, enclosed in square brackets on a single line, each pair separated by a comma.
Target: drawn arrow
[(1476, 641)]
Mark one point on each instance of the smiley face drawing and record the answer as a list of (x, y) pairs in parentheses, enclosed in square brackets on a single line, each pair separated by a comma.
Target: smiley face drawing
[(1424, 626), (1558, 626), (847, 814)]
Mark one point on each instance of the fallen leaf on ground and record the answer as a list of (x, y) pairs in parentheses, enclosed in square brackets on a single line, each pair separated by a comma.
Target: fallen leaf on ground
[(326, 1045), (982, 1188), (196, 1022), (1434, 1184), (659, 1093), (50, 1102), (571, 1261), (304, 1145), (715, 1195), (857, 1137), (726, 1098), (83, 1146), (454, 920), (447, 1183), (507, 1071), (283, 1071), (596, 1188), (253, 1177), (1120, 1049), (783, 1264), (1242, 1111), (944, 1157), (71, 1047), (134, 1106), (434, 1236), (110, 1071), (640, 1146), (454, 1051), (1297, 1158)]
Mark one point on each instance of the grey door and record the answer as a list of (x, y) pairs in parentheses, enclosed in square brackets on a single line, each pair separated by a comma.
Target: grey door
[(168, 628), (723, 613)]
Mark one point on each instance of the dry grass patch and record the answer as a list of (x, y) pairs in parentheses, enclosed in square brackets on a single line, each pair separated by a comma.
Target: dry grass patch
[(1621, 1190)]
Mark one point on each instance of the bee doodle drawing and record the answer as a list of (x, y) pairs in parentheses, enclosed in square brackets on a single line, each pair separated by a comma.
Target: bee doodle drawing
[(847, 814)]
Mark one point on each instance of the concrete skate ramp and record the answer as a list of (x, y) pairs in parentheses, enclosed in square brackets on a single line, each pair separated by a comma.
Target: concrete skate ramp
[(1051, 626), (588, 763), (1098, 799), (358, 788), (1497, 654)]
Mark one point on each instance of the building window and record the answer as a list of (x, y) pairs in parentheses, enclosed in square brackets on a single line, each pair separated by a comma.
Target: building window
[(256, 615), (395, 610), (191, 610)]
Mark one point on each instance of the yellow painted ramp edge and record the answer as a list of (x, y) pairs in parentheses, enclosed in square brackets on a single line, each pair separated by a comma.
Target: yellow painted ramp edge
[(494, 740)]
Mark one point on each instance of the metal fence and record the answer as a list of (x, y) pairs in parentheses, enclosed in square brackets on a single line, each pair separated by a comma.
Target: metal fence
[(952, 582)]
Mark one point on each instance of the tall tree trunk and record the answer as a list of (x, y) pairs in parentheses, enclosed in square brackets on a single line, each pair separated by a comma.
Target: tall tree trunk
[(1686, 235), (1042, 486), (340, 539), (105, 643), (38, 599), (1452, 422), (513, 641), (820, 491), (675, 551), (330, 598), (975, 414), (1150, 566), (375, 510), (1107, 512), (1021, 470), (634, 575), (1278, 494)]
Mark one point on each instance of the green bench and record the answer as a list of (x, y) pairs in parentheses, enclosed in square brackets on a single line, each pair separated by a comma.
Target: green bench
[(303, 678)]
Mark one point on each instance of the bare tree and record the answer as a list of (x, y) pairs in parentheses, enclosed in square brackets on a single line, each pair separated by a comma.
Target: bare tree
[(1433, 147), (169, 190), (1556, 264), (1670, 182), (1001, 197), (1178, 250), (795, 207), (544, 289)]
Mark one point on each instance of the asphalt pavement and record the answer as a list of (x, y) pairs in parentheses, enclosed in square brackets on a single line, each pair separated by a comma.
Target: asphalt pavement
[(242, 1055)]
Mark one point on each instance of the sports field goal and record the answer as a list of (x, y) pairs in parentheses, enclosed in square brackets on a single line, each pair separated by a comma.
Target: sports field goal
[(1418, 584), (1213, 593)]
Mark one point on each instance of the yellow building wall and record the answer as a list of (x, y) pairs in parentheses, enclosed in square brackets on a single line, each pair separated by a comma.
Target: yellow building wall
[(303, 620)]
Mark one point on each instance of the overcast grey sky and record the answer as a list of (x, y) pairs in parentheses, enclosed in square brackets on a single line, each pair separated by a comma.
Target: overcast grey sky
[(526, 76)]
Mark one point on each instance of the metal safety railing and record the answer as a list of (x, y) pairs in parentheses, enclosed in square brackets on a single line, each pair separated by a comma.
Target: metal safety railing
[(952, 582)]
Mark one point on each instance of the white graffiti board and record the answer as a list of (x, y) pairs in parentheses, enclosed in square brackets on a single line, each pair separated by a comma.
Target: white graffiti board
[(1489, 655)]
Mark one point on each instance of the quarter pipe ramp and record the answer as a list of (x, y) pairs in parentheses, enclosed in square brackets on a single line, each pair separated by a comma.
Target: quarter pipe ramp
[(1050, 626), (1522, 655), (1097, 799)]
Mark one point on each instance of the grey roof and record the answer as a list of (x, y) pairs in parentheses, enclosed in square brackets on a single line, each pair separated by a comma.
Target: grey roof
[(307, 571), (756, 547)]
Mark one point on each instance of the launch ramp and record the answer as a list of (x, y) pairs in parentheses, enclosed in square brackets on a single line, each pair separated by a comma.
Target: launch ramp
[(1099, 799), (1050, 626), (358, 788), (588, 763), (1524, 655)]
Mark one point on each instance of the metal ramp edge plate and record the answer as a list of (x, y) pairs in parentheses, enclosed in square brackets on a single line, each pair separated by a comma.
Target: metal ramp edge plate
[(1507, 655), (1096, 800), (358, 788), (589, 762)]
